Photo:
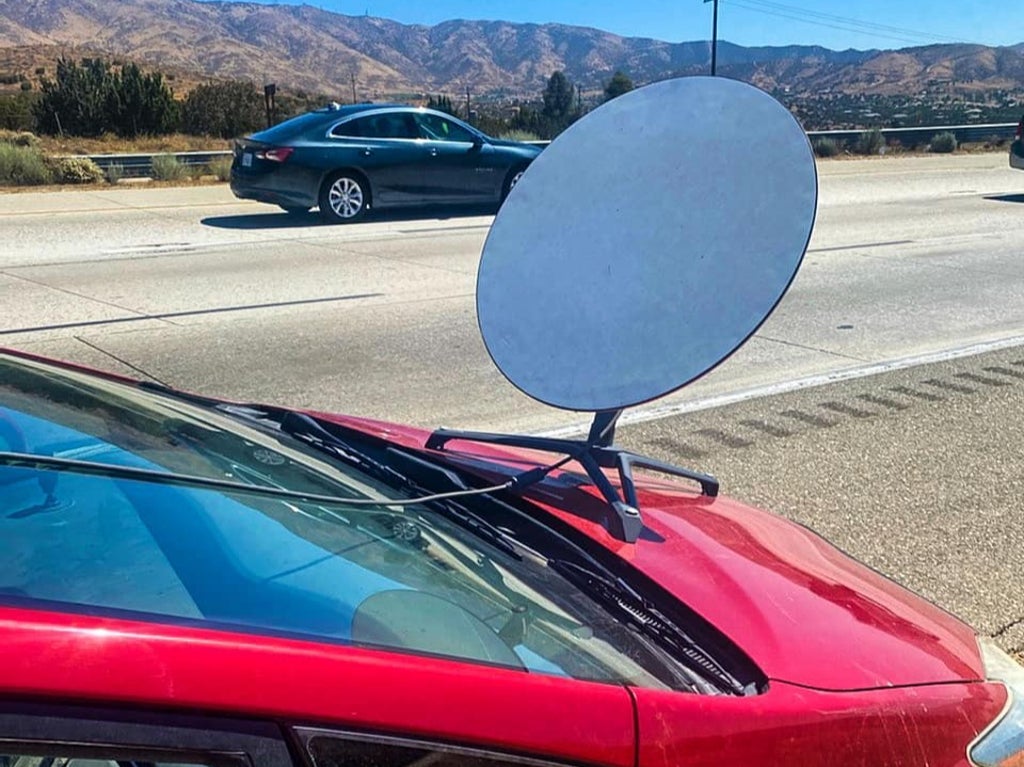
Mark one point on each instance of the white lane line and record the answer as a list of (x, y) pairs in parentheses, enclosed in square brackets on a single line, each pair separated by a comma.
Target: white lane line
[(656, 412)]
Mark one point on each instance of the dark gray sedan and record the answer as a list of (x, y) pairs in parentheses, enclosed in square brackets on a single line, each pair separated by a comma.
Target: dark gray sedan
[(347, 160)]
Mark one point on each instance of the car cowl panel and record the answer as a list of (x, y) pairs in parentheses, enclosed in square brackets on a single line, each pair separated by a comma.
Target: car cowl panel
[(803, 611)]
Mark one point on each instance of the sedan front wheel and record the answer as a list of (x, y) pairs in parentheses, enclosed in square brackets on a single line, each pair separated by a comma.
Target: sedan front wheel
[(344, 198)]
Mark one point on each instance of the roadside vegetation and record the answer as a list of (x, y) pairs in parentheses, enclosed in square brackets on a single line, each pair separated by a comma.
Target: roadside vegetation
[(95, 107)]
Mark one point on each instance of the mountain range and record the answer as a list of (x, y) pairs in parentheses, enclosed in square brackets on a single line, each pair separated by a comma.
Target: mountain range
[(304, 47)]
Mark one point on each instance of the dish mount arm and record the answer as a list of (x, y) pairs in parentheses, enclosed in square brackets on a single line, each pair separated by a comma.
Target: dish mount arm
[(594, 454)]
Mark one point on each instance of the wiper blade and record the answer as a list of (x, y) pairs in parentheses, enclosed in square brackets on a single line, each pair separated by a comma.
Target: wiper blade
[(306, 429), (638, 612)]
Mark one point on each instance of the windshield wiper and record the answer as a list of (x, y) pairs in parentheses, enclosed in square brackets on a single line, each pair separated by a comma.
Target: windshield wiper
[(305, 429), (636, 611)]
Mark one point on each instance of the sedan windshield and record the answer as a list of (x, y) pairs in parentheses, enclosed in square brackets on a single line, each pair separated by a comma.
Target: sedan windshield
[(385, 574)]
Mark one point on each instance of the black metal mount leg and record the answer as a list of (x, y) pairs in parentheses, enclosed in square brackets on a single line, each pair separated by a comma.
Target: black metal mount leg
[(594, 454)]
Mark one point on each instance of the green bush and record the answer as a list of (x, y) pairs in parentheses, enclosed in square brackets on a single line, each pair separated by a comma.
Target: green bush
[(826, 147), (870, 142), (75, 170), (22, 166), (19, 138), (226, 110), (167, 168), (113, 172), (221, 168), (943, 143)]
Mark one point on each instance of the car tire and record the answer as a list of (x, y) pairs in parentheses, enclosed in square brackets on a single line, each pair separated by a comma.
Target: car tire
[(294, 210), (511, 180), (344, 198)]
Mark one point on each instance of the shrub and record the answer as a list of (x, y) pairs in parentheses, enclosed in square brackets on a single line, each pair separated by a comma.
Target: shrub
[(519, 135), (870, 142), (225, 110), (17, 110), (75, 170), (167, 168), (22, 166), (113, 172), (943, 143), (826, 147), (221, 168), (19, 138)]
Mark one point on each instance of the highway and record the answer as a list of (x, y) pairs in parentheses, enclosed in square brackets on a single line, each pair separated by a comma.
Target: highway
[(914, 468)]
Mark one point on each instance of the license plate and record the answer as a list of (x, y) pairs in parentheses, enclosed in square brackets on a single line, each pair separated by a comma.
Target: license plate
[(247, 160)]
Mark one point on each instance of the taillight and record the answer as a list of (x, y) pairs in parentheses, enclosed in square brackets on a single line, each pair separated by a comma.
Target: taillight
[(279, 154), (1020, 129)]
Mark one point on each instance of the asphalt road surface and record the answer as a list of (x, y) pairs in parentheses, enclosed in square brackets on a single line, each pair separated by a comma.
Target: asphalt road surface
[(912, 260)]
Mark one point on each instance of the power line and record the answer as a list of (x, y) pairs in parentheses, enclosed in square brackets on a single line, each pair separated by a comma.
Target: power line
[(843, 23)]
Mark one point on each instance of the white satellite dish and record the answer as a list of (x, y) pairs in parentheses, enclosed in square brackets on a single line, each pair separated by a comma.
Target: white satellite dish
[(641, 249), (646, 244)]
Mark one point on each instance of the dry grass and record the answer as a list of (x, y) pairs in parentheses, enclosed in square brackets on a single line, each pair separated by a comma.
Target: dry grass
[(109, 144)]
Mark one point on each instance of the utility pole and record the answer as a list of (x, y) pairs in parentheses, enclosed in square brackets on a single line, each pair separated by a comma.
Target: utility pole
[(353, 74), (714, 37)]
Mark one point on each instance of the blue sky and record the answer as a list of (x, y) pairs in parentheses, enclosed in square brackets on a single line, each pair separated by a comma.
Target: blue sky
[(837, 24)]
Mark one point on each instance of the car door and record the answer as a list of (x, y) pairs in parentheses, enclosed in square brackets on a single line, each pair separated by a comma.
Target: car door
[(463, 167), (151, 669), (388, 151)]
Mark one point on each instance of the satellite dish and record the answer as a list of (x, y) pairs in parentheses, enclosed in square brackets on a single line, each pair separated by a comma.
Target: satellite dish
[(646, 244)]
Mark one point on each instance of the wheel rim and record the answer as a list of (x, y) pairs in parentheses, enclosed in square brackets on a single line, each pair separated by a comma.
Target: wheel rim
[(515, 180), (345, 197)]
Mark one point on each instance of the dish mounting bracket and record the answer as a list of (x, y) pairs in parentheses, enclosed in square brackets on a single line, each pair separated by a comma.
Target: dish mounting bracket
[(595, 453)]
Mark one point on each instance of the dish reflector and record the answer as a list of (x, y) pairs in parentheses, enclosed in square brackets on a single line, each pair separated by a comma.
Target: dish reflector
[(646, 244)]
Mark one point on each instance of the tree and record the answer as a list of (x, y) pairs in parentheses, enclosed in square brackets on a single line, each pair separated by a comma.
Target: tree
[(141, 104), (17, 111), (560, 108), (75, 102), (442, 104), (91, 99), (619, 84), (225, 110), (559, 97)]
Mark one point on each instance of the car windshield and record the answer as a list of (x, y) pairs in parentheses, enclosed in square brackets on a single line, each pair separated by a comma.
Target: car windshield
[(398, 576)]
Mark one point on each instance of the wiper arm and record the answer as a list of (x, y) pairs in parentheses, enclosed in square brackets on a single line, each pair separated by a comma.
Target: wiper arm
[(638, 612), (306, 429)]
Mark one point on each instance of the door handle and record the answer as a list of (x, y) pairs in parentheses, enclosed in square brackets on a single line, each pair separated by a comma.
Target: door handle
[(433, 153), (367, 152)]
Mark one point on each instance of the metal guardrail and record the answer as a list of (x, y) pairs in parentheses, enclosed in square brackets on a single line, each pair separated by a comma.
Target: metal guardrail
[(912, 136), (141, 165)]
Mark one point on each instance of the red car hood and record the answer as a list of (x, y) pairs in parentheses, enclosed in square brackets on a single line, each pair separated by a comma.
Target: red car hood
[(802, 610)]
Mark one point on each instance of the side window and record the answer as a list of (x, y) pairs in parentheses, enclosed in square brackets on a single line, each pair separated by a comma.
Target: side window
[(331, 749), (389, 125), (38, 735), (60, 755), (354, 128), (439, 128)]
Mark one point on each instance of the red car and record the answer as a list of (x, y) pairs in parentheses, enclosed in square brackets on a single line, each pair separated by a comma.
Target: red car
[(188, 581)]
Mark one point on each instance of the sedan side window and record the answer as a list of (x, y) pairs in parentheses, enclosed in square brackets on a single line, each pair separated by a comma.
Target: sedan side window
[(438, 128), (43, 758), (390, 125), (330, 749)]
